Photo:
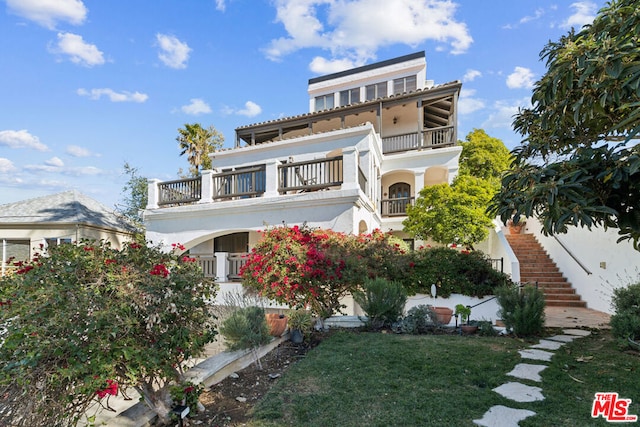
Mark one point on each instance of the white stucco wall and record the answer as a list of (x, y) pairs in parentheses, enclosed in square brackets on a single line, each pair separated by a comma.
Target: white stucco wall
[(610, 264)]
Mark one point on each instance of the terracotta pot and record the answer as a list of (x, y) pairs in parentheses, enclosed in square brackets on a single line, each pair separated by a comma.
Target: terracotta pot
[(277, 323), (443, 314)]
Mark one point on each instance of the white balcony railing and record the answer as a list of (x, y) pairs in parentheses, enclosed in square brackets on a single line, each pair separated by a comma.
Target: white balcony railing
[(269, 179)]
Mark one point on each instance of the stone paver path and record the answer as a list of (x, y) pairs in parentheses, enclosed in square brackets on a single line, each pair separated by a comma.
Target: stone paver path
[(503, 416)]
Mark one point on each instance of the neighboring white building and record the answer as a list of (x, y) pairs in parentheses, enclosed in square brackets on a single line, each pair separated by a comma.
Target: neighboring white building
[(65, 217), (373, 138)]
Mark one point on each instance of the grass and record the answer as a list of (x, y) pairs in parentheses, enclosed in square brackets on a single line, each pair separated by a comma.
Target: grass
[(373, 379)]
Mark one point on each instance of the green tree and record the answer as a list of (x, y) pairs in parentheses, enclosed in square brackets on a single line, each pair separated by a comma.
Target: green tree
[(456, 213), (452, 213), (134, 196), (88, 321), (578, 164), (484, 156), (197, 143)]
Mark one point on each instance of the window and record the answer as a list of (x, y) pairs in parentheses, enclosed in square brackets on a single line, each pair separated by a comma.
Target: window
[(324, 102), (234, 243), (405, 84), (56, 241), (378, 90), (350, 96), (19, 250)]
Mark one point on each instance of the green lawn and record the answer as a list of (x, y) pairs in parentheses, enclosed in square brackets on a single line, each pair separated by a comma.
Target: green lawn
[(374, 379)]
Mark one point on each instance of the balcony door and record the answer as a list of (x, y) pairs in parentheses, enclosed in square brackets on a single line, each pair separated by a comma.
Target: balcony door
[(399, 198)]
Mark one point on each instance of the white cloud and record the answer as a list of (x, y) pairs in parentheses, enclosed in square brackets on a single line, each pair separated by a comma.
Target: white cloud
[(7, 166), (220, 5), (504, 112), (584, 13), (251, 109), (173, 53), (520, 78), (197, 106), (76, 151), (55, 162), (537, 15), (347, 30), (21, 139), (48, 12), (55, 165), (113, 96), (322, 65), (78, 50), (467, 103), (471, 75)]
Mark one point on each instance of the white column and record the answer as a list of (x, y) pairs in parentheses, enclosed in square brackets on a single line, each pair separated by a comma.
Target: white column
[(153, 194), (271, 179), (350, 168), (221, 266), (207, 186), (418, 183)]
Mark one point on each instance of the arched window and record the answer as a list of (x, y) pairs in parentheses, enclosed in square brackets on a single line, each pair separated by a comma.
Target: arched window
[(400, 197)]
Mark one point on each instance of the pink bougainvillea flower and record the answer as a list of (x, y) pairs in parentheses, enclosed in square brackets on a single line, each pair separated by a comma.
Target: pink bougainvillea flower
[(159, 270), (112, 389)]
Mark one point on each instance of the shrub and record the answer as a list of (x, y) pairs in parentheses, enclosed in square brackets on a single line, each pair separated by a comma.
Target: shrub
[(464, 272), (382, 301), (522, 310), (88, 321), (245, 328), (419, 320), (625, 322)]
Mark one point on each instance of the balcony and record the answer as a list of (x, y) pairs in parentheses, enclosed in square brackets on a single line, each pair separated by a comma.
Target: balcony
[(222, 266), (266, 180), (432, 138), (395, 207)]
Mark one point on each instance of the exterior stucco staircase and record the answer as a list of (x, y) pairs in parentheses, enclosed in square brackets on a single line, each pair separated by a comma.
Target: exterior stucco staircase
[(537, 267)]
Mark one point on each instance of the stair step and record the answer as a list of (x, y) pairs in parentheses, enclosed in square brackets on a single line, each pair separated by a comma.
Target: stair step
[(562, 303), (537, 267)]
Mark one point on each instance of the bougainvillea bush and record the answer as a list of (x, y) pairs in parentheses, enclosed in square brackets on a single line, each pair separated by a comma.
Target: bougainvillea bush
[(315, 268), (87, 321)]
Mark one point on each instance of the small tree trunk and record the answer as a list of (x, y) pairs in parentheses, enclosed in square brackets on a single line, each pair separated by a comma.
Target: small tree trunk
[(159, 401)]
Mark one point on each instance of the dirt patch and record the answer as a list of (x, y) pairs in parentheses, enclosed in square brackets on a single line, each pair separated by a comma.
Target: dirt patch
[(229, 403)]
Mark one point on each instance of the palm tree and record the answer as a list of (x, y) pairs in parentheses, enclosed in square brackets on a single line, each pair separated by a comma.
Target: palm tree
[(197, 142)]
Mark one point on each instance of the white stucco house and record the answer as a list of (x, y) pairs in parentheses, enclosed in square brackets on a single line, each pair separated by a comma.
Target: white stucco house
[(373, 137)]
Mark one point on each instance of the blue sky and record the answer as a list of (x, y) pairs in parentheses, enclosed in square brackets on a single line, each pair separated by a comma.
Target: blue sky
[(87, 85)]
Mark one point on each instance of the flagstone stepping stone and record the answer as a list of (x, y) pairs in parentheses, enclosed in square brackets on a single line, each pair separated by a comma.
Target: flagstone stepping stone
[(519, 392), (536, 354), (577, 332), (527, 371), (503, 416), (548, 345), (562, 338)]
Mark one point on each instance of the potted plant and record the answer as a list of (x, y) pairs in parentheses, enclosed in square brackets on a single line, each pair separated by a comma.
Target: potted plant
[(300, 324), (516, 228), (443, 314), (464, 311), (277, 323)]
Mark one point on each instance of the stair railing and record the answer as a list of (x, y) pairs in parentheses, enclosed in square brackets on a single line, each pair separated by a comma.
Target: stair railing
[(572, 255)]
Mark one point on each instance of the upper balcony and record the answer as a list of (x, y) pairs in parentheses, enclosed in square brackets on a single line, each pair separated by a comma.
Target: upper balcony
[(421, 119)]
